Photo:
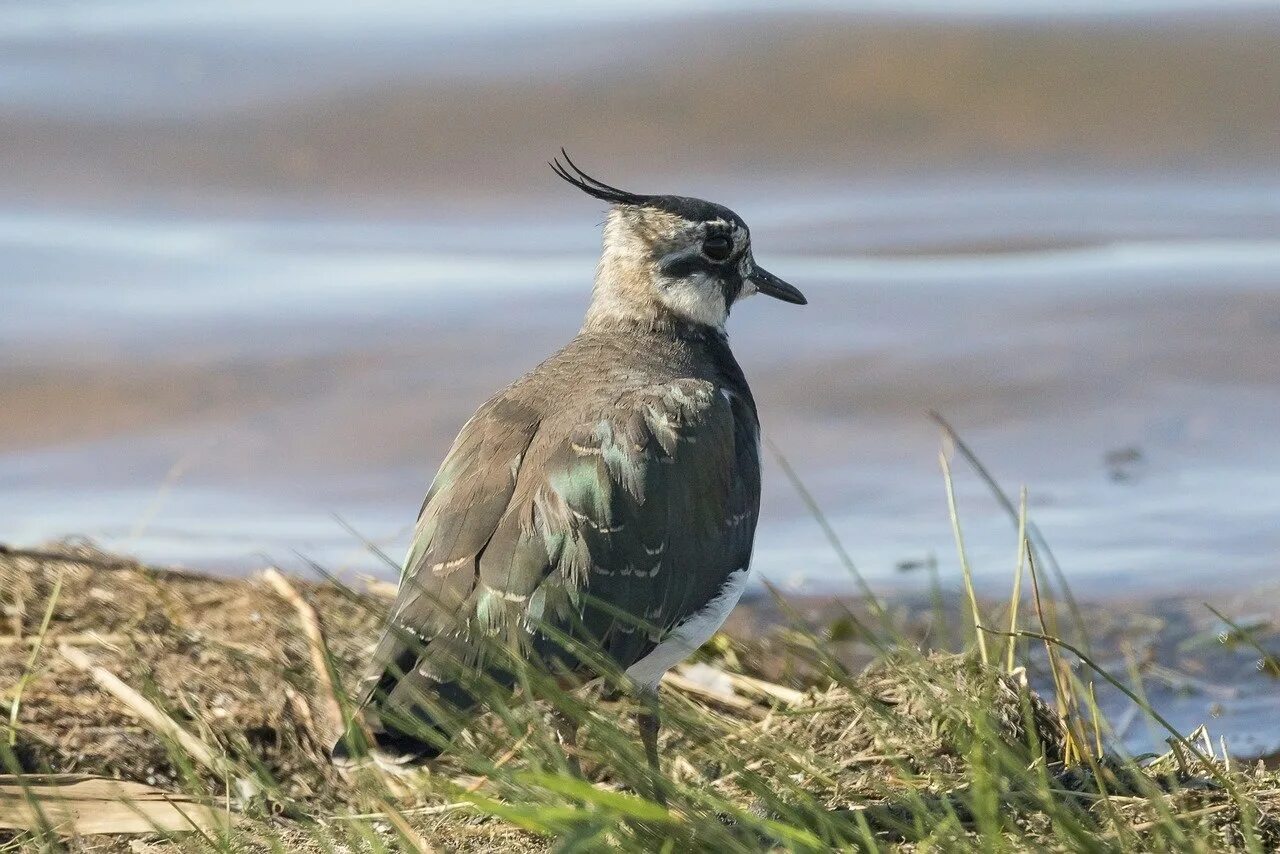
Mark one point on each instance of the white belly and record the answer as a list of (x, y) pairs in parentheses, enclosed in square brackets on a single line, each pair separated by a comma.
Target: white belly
[(684, 639)]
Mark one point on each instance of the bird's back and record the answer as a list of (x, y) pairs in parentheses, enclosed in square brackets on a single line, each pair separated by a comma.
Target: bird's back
[(610, 494)]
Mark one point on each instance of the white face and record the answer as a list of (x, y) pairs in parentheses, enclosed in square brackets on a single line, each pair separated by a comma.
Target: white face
[(700, 296), (654, 256)]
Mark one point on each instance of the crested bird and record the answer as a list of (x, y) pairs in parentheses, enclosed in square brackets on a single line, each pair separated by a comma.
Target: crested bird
[(610, 495)]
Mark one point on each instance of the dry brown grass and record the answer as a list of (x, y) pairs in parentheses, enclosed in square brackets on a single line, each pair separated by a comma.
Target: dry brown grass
[(918, 750)]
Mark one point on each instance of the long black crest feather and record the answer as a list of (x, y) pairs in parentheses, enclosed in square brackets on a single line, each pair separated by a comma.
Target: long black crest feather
[(594, 186), (693, 210)]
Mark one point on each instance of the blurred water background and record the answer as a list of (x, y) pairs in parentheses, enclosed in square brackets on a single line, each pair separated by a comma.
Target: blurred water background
[(259, 261)]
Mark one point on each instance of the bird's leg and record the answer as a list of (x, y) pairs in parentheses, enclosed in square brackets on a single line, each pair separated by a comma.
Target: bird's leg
[(649, 722), (567, 730)]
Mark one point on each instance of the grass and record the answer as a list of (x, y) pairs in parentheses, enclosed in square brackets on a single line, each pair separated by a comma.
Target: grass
[(923, 750)]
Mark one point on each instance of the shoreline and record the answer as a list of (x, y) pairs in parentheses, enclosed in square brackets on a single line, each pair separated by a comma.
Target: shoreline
[(1196, 677)]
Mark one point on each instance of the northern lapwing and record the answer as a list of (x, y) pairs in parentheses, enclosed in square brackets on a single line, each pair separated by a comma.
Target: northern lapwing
[(610, 495)]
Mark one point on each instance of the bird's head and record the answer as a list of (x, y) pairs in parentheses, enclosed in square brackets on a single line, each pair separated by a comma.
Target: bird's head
[(671, 258)]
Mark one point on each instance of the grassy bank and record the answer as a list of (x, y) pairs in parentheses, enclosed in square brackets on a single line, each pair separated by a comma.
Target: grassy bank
[(231, 713)]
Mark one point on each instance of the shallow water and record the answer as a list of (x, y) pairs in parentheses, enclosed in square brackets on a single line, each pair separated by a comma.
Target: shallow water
[(311, 367), (256, 275)]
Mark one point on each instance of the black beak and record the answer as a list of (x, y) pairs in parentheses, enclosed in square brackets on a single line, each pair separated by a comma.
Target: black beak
[(770, 285)]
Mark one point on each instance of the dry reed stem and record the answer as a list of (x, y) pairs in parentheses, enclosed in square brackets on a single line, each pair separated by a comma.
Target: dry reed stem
[(733, 702), (1095, 714), (146, 710), (411, 836), (1060, 689), (1016, 597), (761, 687), (384, 589), (80, 639), (76, 805), (328, 694), (436, 809), (1184, 816), (964, 558)]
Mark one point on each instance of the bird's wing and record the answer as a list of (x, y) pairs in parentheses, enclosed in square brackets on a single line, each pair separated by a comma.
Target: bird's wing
[(615, 531), (635, 521), (463, 508)]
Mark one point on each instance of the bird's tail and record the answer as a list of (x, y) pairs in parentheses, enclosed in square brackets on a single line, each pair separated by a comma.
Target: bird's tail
[(391, 750), (406, 719)]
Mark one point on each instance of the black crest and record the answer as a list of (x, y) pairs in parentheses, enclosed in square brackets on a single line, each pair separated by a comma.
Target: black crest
[(694, 210)]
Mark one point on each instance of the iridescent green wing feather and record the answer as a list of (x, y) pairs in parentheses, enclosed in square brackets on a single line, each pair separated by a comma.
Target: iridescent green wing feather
[(633, 523)]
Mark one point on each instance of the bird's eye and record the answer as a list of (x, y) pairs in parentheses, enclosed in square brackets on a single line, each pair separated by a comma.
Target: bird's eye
[(717, 247)]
